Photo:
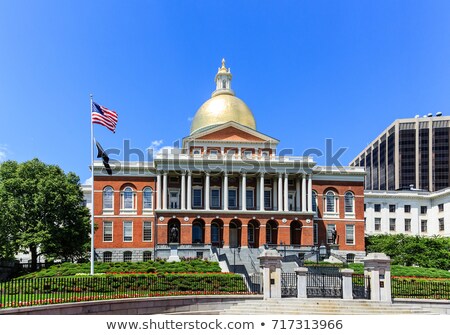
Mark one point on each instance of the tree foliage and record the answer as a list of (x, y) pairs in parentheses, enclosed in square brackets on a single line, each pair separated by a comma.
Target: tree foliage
[(429, 252), (41, 211)]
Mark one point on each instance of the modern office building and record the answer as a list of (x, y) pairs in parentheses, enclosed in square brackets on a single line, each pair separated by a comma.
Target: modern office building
[(407, 183), (225, 188), (409, 153)]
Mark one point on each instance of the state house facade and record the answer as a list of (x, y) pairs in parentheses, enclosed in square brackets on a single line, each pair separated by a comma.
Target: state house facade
[(226, 188)]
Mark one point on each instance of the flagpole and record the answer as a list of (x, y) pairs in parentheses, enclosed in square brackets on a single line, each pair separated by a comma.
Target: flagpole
[(92, 193)]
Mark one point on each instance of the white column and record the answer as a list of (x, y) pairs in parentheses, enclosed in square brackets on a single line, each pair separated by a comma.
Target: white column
[(309, 192), (207, 191), (258, 186), (239, 193), (164, 195), (280, 192), (183, 190), (225, 191), (244, 191), (261, 192), (158, 190), (303, 193), (286, 194), (189, 191), (275, 194), (297, 194)]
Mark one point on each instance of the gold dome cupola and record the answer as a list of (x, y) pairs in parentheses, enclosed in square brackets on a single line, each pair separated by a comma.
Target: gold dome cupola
[(223, 106)]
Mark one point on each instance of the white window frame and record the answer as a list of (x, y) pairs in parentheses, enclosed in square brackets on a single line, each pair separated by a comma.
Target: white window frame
[(123, 231), (441, 223), (377, 221), (315, 206), (268, 189), (335, 211), (347, 234), (233, 189), (423, 223), (215, 188), (108, 209), (144, 224), (110, 256), (177, 191), (316, 233), (349, 214), (248, 153), (252, 204), (407, 220), (197, 152), (392, 221), (144, 208), (112, 231), (214, 153), (131, 210), (197, 188), (251, 239)]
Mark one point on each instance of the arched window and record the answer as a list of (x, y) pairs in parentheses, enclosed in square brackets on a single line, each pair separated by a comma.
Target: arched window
[(330, 202), (314, 201), (148, 198), (349, 200), (127, 256), (224, 83), (108, 198), (107, 257), (128, 198)]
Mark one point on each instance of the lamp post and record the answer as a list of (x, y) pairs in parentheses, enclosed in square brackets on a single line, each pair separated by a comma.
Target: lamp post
[(322, 251)]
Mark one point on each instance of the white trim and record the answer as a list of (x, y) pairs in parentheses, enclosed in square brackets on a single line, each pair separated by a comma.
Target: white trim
[(143, 231), (123, 230), (112, 231)]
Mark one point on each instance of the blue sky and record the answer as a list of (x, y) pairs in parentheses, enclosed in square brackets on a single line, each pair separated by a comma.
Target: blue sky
[(309, 70)]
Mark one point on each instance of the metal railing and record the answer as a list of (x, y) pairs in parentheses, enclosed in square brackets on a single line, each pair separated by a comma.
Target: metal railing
[(39, 291), (420, 288)]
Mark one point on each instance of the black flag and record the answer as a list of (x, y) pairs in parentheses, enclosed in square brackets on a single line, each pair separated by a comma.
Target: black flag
[(102, 154)]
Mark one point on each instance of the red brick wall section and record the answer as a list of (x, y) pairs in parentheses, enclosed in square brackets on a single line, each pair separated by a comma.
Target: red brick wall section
[(118, 184)]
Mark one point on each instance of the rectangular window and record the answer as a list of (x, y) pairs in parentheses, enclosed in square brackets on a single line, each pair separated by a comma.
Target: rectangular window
[(251, 235), (377, 208), (407, 208), (330, 237), (107, 257), (249, 198), (391, 208), (197, 180), (213, 153), (423, 226), (407, 224), (267, 182), (267, 199), (377, 224), (107, 231), (248, 153), (423, 209), (147, 232), (441, 207), (147, 256), (215, 198), (441, 224), (364, 207), (231, 152), (127, 231), (392, 224), (349, 234), (291, 182), (197, 198), (232, 198)]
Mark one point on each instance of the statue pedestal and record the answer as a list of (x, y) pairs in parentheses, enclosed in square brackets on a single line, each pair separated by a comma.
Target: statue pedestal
[(173, 253), (334, 246)]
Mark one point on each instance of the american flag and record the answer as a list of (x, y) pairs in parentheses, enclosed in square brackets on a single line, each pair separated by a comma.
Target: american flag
[(104, 116)]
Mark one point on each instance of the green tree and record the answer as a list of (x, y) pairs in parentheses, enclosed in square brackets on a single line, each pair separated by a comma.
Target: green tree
[(41, 211)]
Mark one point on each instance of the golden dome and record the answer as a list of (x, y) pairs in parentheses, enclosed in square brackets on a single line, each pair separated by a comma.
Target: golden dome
[(223, 106)]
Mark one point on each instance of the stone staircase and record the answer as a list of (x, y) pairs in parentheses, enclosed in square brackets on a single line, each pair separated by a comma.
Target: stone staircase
[(320, 306)]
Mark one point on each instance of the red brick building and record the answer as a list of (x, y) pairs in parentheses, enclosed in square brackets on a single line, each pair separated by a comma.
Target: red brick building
[(226, 188)]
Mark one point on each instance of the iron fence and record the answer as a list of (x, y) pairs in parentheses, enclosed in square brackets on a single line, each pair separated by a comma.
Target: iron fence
[(360, 286), (39, 291), (288, 285), (420, 288)]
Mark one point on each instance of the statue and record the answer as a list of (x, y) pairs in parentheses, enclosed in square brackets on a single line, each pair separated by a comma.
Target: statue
[(334, 236), (174, 234)]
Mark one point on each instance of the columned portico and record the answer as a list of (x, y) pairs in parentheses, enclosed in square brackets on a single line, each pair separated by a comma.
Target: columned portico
[(309, 192), (183, 190), (303, 193), (158, 190), (189, 191), (297, 193), (280, 192), (244, 190), (286, 193), (164, 196), (261, 191), (225, 191), (207, 190)]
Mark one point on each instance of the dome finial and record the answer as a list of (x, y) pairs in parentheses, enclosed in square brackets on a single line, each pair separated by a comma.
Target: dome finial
[(223, 63)]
